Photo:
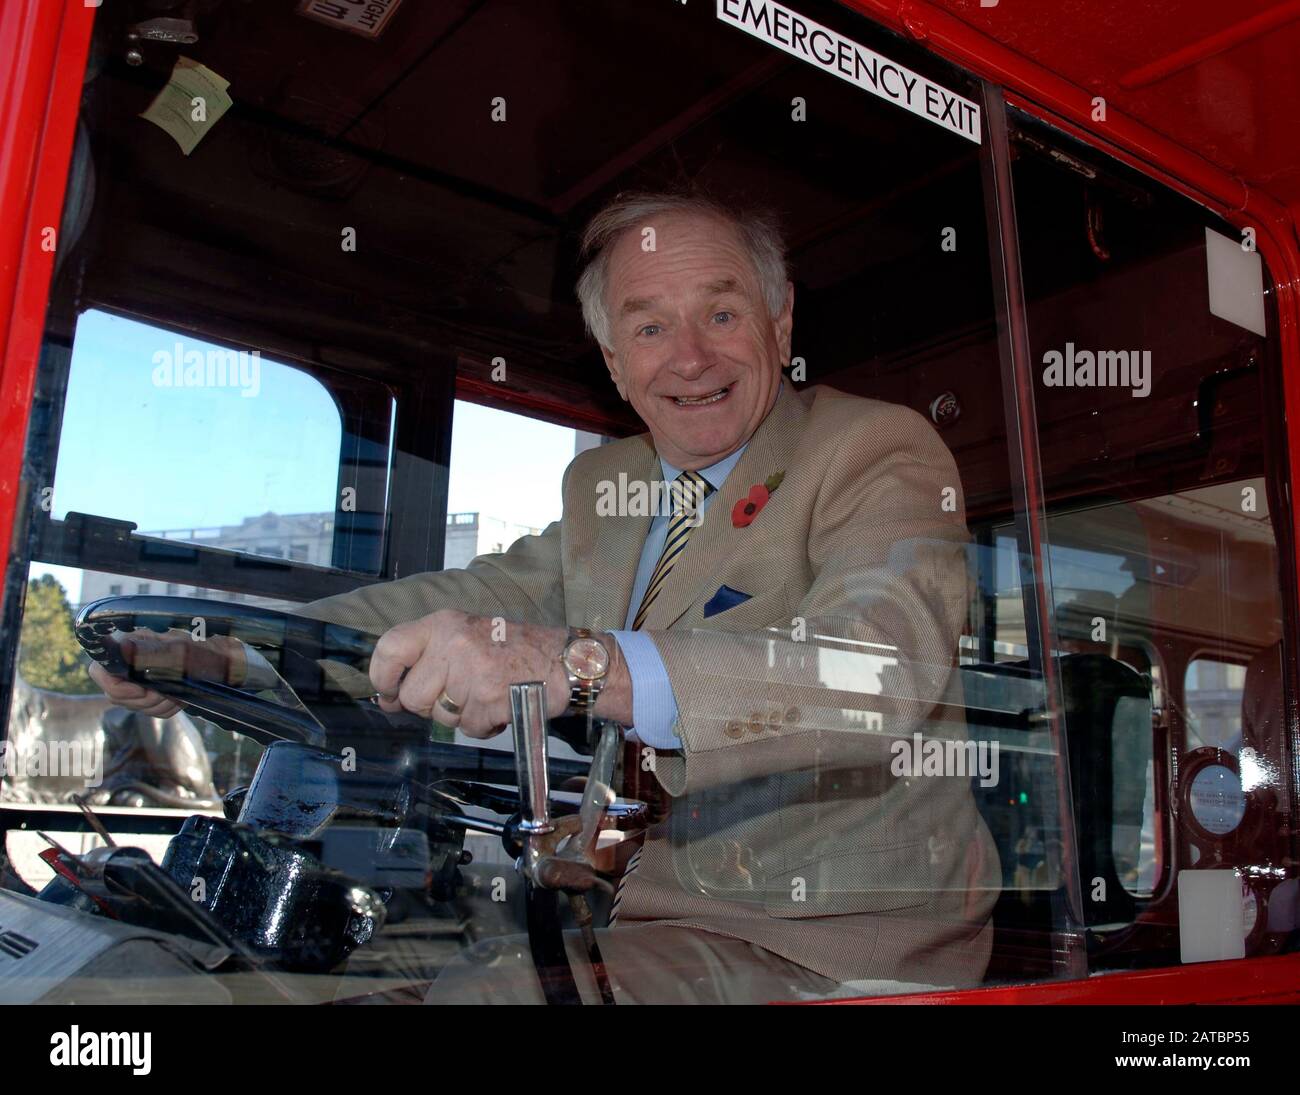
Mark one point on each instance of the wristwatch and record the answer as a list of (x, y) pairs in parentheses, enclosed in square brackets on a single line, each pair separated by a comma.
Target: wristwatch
[(586, 663)]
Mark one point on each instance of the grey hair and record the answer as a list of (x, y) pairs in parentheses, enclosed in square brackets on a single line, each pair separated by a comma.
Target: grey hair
[(758, 229)]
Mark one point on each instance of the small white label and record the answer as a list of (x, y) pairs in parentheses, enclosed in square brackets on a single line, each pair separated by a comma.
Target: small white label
[(1236, 282), (364, 17), (1211, 918), (824, 48)]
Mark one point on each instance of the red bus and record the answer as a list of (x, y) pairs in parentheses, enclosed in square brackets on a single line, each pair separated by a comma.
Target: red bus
[(287, 311)]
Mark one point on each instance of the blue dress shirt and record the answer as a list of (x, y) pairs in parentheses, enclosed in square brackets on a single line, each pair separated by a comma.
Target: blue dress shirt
[(654, 707)]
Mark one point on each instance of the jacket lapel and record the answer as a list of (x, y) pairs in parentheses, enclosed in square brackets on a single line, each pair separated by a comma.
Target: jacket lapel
[(771, 449), (617, 550)]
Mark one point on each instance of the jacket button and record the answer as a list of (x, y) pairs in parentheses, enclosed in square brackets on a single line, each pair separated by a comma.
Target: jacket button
[(733, 729)]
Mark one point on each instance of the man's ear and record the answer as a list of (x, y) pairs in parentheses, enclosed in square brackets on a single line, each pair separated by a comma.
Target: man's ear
[(615, 373), (785, 323)]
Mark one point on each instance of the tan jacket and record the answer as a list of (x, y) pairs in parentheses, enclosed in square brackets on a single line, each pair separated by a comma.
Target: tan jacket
[(787, 828)]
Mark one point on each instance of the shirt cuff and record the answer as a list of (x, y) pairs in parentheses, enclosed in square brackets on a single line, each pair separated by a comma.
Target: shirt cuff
[(654, 707)]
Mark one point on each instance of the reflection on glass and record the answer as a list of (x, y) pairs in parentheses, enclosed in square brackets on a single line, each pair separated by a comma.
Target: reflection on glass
[(1212, 695)]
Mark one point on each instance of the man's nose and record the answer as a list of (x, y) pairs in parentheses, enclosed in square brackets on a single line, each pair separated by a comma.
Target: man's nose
[(691, 355)]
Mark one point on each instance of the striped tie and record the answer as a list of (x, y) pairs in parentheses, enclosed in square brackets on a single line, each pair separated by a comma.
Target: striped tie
[(688, 493), (622, 882)]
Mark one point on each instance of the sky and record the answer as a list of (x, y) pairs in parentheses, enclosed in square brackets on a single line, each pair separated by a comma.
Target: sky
[(151, 434)]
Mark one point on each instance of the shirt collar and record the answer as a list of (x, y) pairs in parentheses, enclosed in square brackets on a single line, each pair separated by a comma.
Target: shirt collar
[(716, 474)]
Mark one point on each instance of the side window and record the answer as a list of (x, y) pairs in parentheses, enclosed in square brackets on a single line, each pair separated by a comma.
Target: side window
[(1161, 463), (173, 402), (494, 498), (185, 460)]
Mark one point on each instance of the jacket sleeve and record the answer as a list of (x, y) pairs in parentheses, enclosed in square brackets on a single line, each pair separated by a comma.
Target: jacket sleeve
[(523, 584)]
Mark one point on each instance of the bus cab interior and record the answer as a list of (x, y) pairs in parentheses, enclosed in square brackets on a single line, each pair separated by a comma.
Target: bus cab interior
[(396, 220)]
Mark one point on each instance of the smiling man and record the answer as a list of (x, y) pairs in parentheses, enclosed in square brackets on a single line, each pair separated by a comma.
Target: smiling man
[(697, 341), (766, 639)]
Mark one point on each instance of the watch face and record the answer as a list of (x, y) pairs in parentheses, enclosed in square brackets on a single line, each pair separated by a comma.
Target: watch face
[(586, 659)]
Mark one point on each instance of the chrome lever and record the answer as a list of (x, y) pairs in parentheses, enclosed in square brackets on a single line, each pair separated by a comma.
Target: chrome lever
[(528, 718), (542, 835)]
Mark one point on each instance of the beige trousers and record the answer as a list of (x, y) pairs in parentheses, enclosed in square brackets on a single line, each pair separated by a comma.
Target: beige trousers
[(650, 963)]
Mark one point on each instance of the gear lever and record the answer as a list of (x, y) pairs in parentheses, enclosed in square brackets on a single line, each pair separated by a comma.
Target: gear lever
[(544, 872)]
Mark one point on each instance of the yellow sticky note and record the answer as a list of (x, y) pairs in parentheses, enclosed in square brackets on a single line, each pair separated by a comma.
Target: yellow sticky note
[(192, 103)]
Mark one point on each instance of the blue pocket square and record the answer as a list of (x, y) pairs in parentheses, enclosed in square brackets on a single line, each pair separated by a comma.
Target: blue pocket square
[(725, 598)]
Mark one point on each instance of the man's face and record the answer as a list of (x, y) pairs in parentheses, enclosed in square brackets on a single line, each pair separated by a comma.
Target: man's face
[(695, 351)]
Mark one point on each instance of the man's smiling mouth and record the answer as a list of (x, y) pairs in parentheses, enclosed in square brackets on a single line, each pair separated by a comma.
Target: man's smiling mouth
[(702, 400)]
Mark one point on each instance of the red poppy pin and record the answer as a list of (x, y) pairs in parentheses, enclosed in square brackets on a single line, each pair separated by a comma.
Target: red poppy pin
[(745, 510)]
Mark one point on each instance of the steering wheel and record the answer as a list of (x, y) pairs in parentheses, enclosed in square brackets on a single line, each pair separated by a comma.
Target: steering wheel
[(316, 712)]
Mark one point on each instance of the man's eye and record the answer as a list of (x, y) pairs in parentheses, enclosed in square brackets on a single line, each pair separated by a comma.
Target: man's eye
[(724, 317), (649, 329)]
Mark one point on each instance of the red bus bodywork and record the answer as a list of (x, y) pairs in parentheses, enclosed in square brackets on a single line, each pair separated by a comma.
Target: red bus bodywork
[(1239, 59)]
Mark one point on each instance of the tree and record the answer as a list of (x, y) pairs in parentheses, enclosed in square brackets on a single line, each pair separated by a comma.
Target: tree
[(48, 653)]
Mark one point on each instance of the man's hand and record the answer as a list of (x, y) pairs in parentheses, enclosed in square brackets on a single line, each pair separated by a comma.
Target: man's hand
[(216, 658), (471, 662)]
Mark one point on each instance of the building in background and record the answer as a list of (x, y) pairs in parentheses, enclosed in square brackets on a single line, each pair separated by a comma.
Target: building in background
[(298, 538), (471, 534)]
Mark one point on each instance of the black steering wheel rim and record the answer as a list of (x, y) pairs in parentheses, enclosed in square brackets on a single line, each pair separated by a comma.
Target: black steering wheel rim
[(292, 639), (304, 642)]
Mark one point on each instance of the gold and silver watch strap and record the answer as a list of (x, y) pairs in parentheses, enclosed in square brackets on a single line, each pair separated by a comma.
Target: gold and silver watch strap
[(583, 691)]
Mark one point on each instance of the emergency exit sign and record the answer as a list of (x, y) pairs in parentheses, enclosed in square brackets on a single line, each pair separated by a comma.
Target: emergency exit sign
[(832, 52), (365, 17)]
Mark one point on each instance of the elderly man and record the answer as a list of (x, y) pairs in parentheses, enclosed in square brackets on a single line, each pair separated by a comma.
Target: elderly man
[(768, 636)]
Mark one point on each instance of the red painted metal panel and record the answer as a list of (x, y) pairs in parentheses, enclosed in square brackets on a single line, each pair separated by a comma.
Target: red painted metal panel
[(1212, 79), (1273, 980), (43, 48)]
